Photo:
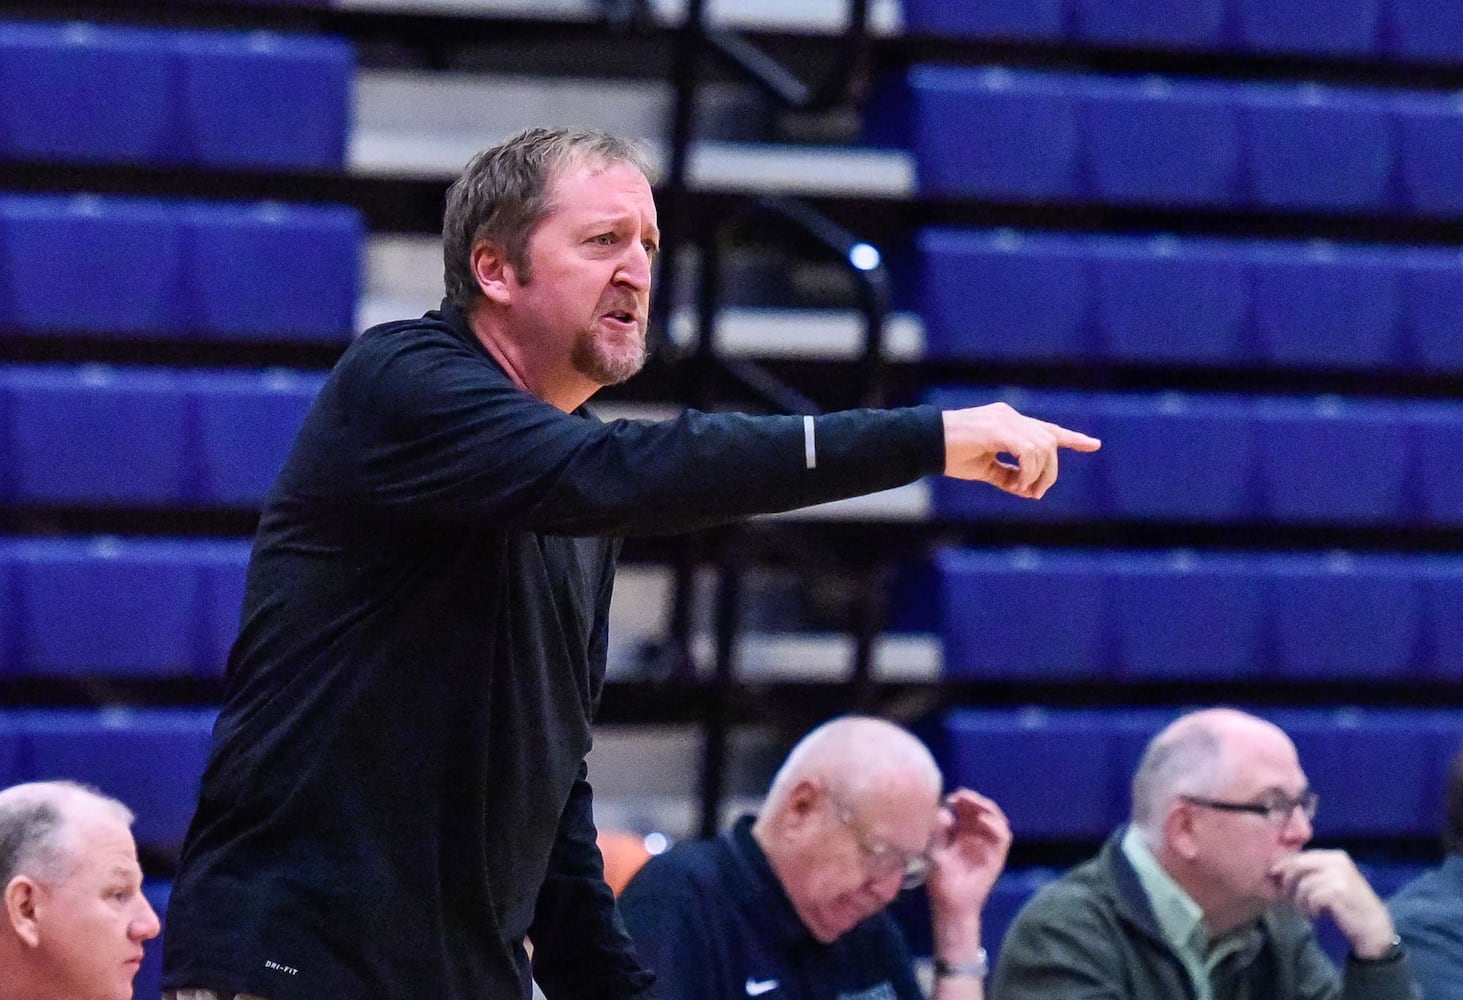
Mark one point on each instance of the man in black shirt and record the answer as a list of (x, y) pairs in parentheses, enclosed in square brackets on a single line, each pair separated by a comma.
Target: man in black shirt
[(396, 795), (791, 904)]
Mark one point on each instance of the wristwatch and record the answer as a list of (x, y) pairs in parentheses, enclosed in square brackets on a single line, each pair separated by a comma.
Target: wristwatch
[(978, 967)]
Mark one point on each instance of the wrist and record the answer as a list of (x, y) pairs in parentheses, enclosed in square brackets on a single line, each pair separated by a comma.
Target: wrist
[(976, 967)]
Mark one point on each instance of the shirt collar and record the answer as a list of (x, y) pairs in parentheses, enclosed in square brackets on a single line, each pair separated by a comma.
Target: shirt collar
[(760, 892)]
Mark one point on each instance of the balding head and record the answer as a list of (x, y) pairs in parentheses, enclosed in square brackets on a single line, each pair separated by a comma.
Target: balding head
[(33, 820), (853, 806), (853, 755)]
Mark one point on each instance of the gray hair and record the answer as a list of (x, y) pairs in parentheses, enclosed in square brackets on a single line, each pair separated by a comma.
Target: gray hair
[(1186, 758), (505, 193), (32, 827)]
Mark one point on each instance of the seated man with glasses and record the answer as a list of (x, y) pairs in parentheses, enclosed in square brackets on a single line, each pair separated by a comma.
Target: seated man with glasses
[(790, 903), (1209, 892)]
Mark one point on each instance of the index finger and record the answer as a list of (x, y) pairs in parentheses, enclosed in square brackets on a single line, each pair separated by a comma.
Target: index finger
[(1076, 440)]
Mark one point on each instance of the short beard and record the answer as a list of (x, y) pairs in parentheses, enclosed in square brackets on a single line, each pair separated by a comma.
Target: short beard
[(604, 366)]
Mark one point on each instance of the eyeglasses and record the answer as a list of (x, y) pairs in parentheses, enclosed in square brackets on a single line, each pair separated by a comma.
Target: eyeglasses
[(1275, 807), (882, 860)]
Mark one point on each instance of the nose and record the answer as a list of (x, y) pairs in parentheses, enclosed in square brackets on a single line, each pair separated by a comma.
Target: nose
[(1297, 827), (145, 924), (635, 268)]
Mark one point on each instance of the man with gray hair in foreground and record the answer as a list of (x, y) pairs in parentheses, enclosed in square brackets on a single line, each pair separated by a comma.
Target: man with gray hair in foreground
[(791, 904), (1208, 892), (75, 916)]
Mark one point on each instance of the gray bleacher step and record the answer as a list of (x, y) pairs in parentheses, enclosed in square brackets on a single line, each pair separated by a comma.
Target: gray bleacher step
[(797, 16), (428, 125)]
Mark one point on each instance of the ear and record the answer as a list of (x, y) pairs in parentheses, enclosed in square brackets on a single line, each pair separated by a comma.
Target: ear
[(491, 270), (803, 807), (21, 909), (1178, 830)]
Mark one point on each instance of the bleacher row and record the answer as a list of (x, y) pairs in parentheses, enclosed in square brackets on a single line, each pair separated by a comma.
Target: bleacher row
[(204, 270), (101, 436), (1164, 300), (95, 434), (152, 758), (227, 99), (1398, 30), (1200, 616), (1003, 134), (1230, 458)]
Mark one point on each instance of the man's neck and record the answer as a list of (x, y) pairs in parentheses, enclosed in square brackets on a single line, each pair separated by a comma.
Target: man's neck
[(566, 393)]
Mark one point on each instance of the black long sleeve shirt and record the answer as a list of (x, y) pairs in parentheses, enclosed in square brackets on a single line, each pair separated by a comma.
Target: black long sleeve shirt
[(396, 794)]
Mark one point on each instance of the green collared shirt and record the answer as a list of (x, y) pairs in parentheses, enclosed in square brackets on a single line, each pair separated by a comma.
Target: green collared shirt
[(1181, 919)]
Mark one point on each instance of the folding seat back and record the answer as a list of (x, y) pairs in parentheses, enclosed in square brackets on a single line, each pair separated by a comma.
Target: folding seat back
[(1165, 300), (245, 424), (1432, 305), (988, 601), (1309, 148), (1024, 20), (1436, 469), (1201, 24), (1427, 31), (1429, 151), (1156, 142), (96, 435), (1335, 27)]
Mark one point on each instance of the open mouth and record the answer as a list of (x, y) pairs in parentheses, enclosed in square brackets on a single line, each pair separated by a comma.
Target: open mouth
[(621, 316)]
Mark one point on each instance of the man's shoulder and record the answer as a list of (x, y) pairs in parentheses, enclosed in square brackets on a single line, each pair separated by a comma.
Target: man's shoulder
[(689, 866), (1432, 894)]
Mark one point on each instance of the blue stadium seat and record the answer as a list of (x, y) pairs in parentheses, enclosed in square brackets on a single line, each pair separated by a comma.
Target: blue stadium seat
[(9, 606), (986, 599), (1052, 772), (62, 84), (262, 100), (994, 133), (1426, 30), (1441, 580), (97, 435), (1192, 24), (1178, 457), (14, 754), (1184, 616), (1331, 460), (150, 759), (58, 281), (1324, 306), (221, 567), (1025, 20), (1076, 496), (1003, 295), (1436, 474), (1156, 142), (148, 984), (105, 607), (1430, 151), (1164, 300), (245, 423), (1432, 304), (1335, 27), (1371, 769), (1314, 149), (274, 271), (1347, 617)]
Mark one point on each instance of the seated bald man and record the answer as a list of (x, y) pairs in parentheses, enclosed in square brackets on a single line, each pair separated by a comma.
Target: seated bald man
[(75, 916), (790, 904), (1209, 892)]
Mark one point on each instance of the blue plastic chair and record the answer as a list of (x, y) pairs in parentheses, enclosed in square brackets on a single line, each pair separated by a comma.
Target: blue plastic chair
[(1429, 151), (67, 257), (1436, 473), (1176, 456), (986, 601), (1186, 616), (1347, 617), (1310, 148), (994, 133), (96, 435), (1164, 300), (244, 425), (1197, 24), (270, 271), (1306, 27), (106, 608), (1327, 306), (1432, 305), (1023, 20), (1004, 296), (262, 100), (62, 84), (1426, 30), (1333, 461), (1157, 142), (150, 759)]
